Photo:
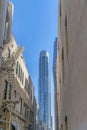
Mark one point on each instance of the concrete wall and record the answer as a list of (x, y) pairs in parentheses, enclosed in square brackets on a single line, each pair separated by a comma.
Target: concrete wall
[(73, 64)]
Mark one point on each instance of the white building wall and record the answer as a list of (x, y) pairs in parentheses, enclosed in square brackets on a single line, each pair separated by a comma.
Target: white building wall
[(73, 45)]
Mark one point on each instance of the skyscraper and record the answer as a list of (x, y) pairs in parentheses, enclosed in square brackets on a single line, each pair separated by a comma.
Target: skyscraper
[(44, 89), (56, 83)]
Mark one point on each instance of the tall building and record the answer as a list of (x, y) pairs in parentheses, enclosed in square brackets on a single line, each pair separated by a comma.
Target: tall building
[(72, 53), (56, 84), (44, 89)]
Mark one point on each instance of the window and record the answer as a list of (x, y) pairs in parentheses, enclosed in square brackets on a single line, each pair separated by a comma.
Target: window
[(5, 89), (63, 65), (31, 95), (13, 128), (21, 105), (60, 80), (60, 8), (26, 111), (60, 14), (27, 86), (10, 90), (15, 93), (22, 77), (19, 72), (17, 67), (9, 53), (62, 127), (66, 35), (66, 123)]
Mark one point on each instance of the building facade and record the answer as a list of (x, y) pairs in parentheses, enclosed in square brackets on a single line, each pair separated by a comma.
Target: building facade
[(36, 115), (56, 90), (16, 87), (6, 10), (72, 55), (44, 89)]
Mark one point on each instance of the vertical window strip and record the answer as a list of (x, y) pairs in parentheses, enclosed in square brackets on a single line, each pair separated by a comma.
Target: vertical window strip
[(10, 90), (66, 123), (17, 67), (15, 93), (63, 65), (66, 35), (5, 89)]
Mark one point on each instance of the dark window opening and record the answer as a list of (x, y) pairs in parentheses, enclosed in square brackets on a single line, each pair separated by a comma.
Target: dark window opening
[(9, 53), (5, 89), (62, 127), (17, 67), (63, 73), (66, 35), (22, 77), (66, 123), (15, 93), (10, 90), (60, 8), (13, 128), (21, 105)]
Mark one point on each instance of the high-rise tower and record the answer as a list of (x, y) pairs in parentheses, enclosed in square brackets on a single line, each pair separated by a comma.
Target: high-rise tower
[(44, 89)]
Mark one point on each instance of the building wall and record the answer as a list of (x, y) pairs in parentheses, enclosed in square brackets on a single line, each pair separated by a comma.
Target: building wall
[(56, 84), (16, 87), (22, 112), (73, 64), (36, 115)]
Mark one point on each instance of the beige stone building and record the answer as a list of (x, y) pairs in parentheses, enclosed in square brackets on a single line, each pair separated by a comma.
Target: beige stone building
[(16, 87), (72, 54)]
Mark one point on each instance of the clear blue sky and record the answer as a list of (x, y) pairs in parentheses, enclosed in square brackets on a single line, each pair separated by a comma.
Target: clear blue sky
[(35, 25)]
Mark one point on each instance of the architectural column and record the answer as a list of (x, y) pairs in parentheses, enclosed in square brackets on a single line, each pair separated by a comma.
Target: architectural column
[(3, 8), (9, 23)]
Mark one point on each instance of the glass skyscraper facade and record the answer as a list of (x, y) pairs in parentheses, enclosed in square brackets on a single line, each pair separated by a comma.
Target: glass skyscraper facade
[(44, 89)]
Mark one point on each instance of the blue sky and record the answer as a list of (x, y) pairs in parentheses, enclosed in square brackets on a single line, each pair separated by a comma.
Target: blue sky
[(35, 26)]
